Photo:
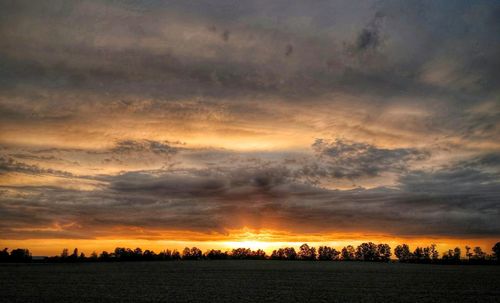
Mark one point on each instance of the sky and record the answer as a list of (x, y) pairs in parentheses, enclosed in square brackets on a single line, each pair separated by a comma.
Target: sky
[(223, 123)]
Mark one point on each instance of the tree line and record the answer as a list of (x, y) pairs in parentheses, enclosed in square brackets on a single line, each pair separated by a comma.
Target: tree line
[(368, 251)]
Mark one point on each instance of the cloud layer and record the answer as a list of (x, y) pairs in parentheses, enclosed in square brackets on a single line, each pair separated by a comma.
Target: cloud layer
[(146, 119)]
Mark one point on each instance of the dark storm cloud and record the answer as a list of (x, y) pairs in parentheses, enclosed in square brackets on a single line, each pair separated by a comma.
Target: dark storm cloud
[(447, 202), (433, 55), (239, 184), (369, 38), (69, 61), (490, 160), (354, 159)]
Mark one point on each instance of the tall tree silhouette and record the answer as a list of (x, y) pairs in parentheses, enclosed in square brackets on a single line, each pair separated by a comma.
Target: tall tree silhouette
[(384, 252), (496, 251), (306, 252), (241, 253), (278, 254), (104, 256), (74, 256), (402, 252), (259, 254), (216, 255), (468, 254), (348, 253), (434, 252), (193, 253), (367, 252), (418, 254), (326, 253), (4, 255), (478, 254), (287, 253)]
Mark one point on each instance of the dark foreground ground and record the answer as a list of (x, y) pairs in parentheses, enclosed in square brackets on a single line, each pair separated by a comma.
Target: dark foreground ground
[(248, 281)]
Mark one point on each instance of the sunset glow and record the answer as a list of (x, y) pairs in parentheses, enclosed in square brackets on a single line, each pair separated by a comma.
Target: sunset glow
[(265, 240)]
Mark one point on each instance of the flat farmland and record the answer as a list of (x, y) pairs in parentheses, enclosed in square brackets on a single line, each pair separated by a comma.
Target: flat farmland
[(248, 281)]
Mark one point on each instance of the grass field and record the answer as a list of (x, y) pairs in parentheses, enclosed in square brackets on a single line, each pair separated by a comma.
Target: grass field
[(248, 281)]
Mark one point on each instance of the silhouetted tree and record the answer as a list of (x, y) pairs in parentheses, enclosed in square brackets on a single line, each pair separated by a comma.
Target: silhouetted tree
[(196, 253), (193, 253), (427, 254), (418, 254), (186, 253), (259, 254), (478, 254), (4, 255), (468, 254), (290, 253), (367, 252), (448, 255), (287, 253), (20, 255), (165, 255), (148, 255), (348, 253), (402, 252), (137, 254), (326, 253), (278, 254), (74, 256), (384, 252), (104, 256), (306, 252), (241, 253), (93, 256), (122, 253), (452, 256), (496, 251), (176, 255), (216, 255), (433, 252)]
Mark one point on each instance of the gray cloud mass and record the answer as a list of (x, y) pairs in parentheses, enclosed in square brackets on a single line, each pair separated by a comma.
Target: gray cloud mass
[(213, 115)]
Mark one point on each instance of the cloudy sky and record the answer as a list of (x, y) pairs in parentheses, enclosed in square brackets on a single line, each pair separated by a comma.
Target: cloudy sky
[(219, 121)]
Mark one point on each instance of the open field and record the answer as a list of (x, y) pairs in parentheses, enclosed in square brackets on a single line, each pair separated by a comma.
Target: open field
[(248, 281)]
